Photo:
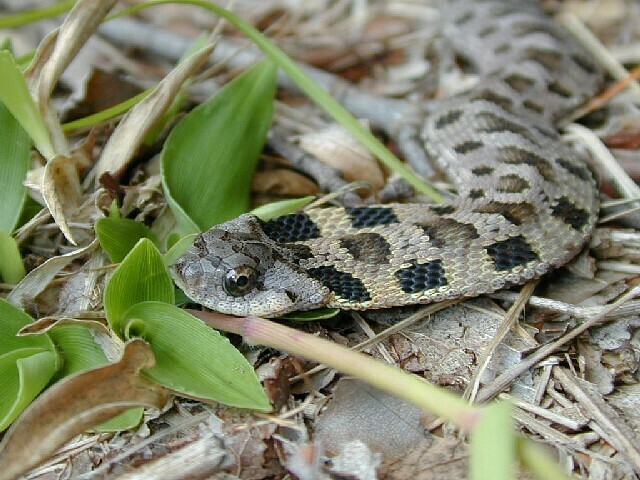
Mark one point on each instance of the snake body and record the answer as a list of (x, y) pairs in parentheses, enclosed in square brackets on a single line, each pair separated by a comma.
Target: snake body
[(526, 202)]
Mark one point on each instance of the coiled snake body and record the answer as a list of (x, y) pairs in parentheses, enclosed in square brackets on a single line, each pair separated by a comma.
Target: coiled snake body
[(525, 203)]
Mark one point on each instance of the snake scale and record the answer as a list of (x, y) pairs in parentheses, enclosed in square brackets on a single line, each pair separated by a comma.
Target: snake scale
[(526, 202)]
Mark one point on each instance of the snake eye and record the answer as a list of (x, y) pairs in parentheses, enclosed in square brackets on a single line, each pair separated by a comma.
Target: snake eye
[(239, 281)]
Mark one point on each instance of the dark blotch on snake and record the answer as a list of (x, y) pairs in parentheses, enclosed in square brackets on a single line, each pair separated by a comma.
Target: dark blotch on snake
[(516, 213), (420, 277), (481, 171), (343, 284), (510, 253), (371, 216), (570, 214), (518, 82), (520, 156), (367, 247), (448, 118), (512, 183), (467, 147), (490, 96), (549, 59), (533, 106), (575, 169), (559, 89), (447, 231), (291, 228)]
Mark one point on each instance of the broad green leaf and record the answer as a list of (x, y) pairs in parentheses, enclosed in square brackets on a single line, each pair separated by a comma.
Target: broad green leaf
[(12, 319), (283, 207), (15, 96), (80, 353), (14, 164), (23, 375), (209, 158), (140, 277), (27, 363), (11, 265), (78, 348), (119, 235), (194, 359), (493, 444)]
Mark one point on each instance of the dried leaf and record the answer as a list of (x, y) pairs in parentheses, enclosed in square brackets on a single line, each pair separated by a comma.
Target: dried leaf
[(81, 22), (37, 280), (76, 404), (62, 191), (132, 130)]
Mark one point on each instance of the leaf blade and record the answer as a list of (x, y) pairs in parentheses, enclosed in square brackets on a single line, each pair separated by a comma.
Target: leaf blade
[(208, 178)]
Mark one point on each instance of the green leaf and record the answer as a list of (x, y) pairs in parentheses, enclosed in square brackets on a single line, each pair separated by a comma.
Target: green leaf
[(140, 277), (23, 375), (12, 319), (209, 158), (11, 265), (15, 96), (79, 349), (27, 363), (493, 444), (14, 164), (80, 353), (311, 315), (118, 236), (205, 365), (126, 420), (178, 249), (283, 207)]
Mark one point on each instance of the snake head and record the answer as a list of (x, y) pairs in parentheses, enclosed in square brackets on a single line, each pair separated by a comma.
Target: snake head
[(235, 268)]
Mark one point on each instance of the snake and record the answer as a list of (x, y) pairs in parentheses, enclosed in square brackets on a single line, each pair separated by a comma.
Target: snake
[(525, 204)]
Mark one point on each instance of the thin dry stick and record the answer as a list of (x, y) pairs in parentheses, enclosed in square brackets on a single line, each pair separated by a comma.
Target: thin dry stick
[(500, 383), (416, 317), (509, 320)]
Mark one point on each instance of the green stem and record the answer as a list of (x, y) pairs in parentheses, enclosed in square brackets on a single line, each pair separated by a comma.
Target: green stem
[(108, 113), (30, 16), (381, 375)]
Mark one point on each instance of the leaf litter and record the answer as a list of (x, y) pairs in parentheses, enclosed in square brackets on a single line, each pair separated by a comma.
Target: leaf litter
[(582, 397)]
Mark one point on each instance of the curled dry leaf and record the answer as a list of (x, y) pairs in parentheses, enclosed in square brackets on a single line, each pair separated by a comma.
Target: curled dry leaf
[(37, 280), (44, 324), (81, 22), (76, 404), (61, 191), (131, 131), (337, 148)]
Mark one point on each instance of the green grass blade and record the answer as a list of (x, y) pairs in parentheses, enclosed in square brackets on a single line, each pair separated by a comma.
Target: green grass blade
[(15, 145), (311, 88), (27, 363), (15, 96), (35, 14), (493, 444)]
